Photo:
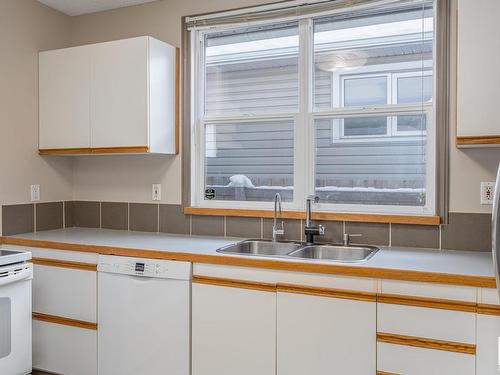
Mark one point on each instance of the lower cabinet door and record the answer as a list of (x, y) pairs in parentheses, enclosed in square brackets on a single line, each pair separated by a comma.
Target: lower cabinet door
[(325, 335), (233, 331), (63, 349), (487, 350), (408, 360)]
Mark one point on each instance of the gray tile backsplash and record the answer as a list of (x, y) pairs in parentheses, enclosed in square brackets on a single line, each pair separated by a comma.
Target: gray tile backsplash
[(371, 233), (465, 231), (18, 218), (86, 214), (143, 217), (173, 220), (207, 225), (114, 215), (247, 227), (49, 215), (415, 235)]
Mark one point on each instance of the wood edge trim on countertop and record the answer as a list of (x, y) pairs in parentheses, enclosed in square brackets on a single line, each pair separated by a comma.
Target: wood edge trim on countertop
[(234, 283), (433, 303), (64, 264), (64, 321), (478, 140), (421, 342), (337, 216), (274, 264), (327, 292), (386, 373), (94, 150), (177, 102), (486, 309)]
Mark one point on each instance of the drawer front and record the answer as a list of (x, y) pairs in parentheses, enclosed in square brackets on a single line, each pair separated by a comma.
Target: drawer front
[(488, 332), (63, 349), (438, 324), (65, 292), (429, 290), (407, 360)]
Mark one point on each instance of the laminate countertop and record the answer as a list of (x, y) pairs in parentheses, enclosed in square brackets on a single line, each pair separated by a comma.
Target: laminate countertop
[(413, 264)]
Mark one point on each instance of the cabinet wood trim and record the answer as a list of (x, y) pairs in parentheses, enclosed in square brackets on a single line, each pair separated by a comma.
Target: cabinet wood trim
[(478, 140), (64, 321), (327, 292), (232, 283), (433, 303), (386, 373), (421, 342), (64, 264), (338, 216), (95, 150), (487, 309)]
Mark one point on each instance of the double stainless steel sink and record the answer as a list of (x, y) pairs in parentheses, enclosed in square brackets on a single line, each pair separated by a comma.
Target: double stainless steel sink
[(297, 250)]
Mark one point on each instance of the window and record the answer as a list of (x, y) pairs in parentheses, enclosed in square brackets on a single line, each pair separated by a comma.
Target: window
[(334, 103)]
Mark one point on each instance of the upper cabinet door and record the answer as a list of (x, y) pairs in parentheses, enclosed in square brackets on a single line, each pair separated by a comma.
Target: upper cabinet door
[(478, 78), (119, 100), (64, 94)]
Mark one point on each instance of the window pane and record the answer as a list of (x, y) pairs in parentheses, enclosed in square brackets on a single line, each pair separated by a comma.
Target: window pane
[(376, 171), (392, 39), (249, 161), (413, 123), (365, 126), (414, 89), (365, 91), (252, 70)]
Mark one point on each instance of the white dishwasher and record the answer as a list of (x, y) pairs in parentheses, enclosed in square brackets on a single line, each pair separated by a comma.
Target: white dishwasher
[(143, 316)]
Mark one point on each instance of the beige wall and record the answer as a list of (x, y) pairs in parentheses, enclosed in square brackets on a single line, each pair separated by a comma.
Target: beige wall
[(27, 27)]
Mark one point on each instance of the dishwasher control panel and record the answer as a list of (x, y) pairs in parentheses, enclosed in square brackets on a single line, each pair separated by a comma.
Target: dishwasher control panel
[(159, 268)]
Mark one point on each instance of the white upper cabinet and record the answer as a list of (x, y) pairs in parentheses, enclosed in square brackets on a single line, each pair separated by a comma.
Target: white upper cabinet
[(478, 79), (113, 97), (64, 89)]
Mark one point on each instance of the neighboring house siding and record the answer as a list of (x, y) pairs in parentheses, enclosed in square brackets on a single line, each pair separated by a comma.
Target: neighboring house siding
[(264, 151)]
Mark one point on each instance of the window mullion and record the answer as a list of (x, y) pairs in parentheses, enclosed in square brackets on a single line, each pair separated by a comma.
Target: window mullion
[(304, 136)]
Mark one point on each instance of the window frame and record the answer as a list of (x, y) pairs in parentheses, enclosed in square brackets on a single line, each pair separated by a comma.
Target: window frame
[(304, 150)]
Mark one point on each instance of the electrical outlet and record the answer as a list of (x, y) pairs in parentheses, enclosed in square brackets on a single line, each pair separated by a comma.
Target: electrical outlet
[(487, 192), (35, 193), (156, 193)]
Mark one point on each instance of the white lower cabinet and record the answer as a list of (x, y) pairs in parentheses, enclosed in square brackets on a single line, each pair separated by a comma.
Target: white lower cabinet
[(487, 350), (323, 335), (63, 349), (408, 360), (233, 331)]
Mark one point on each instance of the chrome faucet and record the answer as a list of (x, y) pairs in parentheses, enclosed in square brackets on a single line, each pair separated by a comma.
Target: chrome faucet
[(277, 207), (310, 230)]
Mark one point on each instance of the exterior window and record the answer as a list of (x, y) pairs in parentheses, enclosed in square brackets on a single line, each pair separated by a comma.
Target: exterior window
[(339, 105)]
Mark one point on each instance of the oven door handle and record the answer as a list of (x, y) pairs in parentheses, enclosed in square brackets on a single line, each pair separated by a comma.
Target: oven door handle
[(25, 273)]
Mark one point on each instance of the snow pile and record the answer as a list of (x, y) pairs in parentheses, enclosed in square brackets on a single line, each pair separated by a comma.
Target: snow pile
[(240, 180)]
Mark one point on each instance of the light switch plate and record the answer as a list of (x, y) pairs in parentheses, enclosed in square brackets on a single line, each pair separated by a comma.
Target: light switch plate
[(156, 192), (487, 192), (35, 193)]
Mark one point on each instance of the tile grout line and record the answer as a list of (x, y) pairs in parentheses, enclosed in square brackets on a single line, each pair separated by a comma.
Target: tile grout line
[(34, 217)]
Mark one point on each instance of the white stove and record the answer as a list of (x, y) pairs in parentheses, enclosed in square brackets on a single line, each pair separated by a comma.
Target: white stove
[(9, 256), (15, 312)]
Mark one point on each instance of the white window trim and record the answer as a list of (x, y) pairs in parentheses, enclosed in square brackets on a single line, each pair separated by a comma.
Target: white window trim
[(304, 156)]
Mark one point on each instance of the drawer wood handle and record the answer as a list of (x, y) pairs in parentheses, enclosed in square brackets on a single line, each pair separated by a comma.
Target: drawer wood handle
[(64, 321), (421, 342)]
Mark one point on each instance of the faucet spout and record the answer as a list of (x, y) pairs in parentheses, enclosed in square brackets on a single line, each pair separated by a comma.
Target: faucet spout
[(277, 231), (310, 231)]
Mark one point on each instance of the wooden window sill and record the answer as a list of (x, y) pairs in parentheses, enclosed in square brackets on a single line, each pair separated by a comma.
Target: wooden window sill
[(334, 216)]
